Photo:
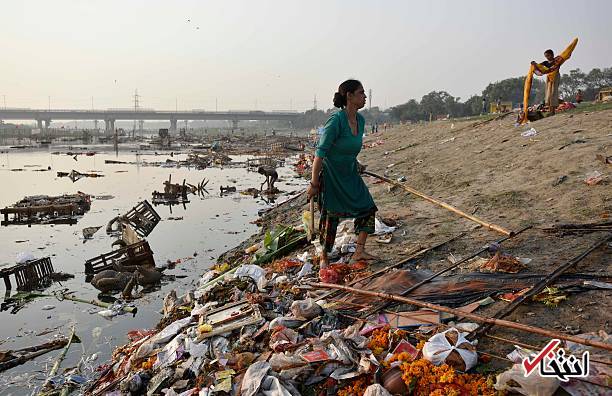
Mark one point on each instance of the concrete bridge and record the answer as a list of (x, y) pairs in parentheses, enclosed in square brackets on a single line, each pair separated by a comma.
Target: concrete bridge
[(44, 117)]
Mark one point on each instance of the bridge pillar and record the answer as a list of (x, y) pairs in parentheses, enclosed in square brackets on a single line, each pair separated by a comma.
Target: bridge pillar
[(234, 125), (141, 125), (39, 124), (96, 125), (47, 124), (173, 123), (109, 126)]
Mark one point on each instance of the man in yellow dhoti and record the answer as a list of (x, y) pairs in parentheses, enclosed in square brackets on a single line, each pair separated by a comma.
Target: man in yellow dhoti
[(551, 68), (553, 76)]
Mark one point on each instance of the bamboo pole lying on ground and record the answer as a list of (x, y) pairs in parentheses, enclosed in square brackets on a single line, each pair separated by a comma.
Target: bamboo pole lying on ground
[(478, 318), (411, 190)]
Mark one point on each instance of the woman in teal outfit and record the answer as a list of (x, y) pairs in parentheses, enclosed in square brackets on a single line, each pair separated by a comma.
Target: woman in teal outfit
[(336, 179)]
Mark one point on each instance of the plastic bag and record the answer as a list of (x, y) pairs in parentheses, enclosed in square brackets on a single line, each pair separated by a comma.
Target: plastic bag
[(285, 361), (376, 390), (254, 272), (452, 348), (529, 133), (534, 385), (253, 378), (381, 228), (307, 309)]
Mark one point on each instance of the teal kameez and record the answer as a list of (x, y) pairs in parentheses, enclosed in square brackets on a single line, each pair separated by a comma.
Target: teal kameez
[(343, 193)]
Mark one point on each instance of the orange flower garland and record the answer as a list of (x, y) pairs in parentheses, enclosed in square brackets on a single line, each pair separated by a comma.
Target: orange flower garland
[(427, 379), (356, 388)]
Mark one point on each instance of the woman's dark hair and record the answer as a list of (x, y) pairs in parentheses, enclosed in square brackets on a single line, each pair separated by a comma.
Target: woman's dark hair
[(344, 88)]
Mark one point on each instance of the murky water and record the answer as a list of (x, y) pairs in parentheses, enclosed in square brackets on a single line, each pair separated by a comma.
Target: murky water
[(210, 226)]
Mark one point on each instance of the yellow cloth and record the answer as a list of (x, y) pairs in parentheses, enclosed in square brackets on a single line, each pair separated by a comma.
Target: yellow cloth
[(564, 56)]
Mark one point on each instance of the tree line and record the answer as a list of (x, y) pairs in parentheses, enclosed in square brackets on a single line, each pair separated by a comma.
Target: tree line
[(439, 103)]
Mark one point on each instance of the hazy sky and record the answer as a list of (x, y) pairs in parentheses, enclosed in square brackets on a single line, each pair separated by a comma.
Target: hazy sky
[(277, 54)]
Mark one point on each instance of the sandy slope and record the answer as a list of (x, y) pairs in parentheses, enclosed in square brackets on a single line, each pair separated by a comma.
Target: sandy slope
[(506, 179)]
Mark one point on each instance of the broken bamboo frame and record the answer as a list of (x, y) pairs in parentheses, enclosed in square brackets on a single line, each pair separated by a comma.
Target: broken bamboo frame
[(442, 271), (472, 316), (538, 287), (412, 256), (411, 190)]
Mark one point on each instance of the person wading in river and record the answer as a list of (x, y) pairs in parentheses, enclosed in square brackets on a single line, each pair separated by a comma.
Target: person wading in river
[(336, 181)]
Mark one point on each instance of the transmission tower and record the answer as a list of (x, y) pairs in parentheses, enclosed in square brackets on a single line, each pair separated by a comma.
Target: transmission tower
[(314, 104), (136, 108), (370, 99)]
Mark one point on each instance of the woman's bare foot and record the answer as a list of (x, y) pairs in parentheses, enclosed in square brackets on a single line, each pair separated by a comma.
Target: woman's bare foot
[(363, 256)]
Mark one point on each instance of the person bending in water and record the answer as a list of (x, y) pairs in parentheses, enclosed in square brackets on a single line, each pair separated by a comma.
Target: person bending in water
[(271, 177)]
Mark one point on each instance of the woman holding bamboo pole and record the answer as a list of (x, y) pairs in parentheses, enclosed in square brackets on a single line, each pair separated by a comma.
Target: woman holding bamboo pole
[(336, 181)]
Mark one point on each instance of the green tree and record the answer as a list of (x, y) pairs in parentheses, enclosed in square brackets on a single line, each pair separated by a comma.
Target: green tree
[(436, 103), (571, 83), (409, 111)]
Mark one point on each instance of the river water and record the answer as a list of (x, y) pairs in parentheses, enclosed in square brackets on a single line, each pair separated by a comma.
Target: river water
[(211, 225)]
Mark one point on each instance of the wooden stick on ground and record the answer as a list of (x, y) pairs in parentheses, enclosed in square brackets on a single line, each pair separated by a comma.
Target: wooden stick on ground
[(411, 190), (478, 318)]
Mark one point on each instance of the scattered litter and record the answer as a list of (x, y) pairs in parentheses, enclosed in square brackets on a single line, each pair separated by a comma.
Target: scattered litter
[(593, 178), (559, 180), (529, 133)]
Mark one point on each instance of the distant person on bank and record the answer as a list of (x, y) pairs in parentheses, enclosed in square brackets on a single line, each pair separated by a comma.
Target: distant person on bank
[(336, 181)]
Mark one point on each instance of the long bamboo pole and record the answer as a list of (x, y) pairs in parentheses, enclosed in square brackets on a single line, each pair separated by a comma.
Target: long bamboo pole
[(478, 318), (411, 190)]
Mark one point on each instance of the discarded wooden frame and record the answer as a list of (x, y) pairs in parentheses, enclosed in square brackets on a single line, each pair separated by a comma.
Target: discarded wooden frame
[(30, 275), (230, 317), (143, 218), (132, 255)]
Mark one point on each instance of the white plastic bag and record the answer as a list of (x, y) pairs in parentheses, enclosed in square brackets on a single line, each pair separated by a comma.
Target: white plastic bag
[(254, 272), (534, 385), (438, 349), (529, 133), (381, 228), (376, 390)]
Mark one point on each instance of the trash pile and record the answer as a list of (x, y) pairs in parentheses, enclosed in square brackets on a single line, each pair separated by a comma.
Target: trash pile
[(255, 331), (257, 323)]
